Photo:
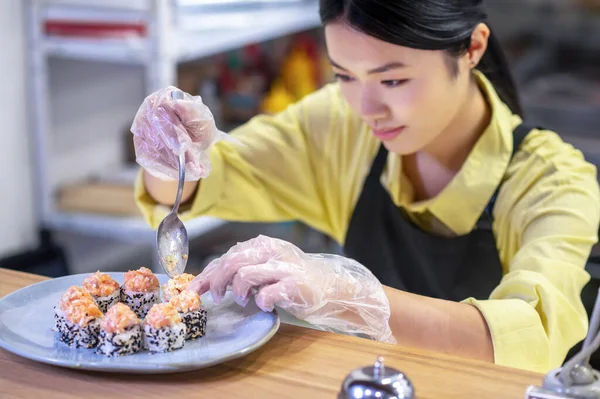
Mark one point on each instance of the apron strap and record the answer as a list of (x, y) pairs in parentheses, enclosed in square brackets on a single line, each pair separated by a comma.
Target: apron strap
[(378, 163), (519, 135)]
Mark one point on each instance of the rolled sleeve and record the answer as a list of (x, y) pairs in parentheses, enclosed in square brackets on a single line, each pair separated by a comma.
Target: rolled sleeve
[(518, 336), (532, 325), (546, 223)]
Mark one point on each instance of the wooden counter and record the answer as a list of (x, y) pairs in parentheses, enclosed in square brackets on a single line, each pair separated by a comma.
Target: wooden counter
[(296, 363)]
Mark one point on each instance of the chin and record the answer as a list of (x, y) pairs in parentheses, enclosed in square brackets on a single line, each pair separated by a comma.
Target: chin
[(402, 147)]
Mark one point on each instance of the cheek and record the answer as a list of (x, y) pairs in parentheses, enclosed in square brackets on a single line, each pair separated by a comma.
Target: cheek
[(425, 102), (352, 94), (448, 99), (406, 102)]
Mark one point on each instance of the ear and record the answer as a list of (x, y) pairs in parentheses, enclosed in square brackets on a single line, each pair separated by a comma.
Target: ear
[(479, 43)]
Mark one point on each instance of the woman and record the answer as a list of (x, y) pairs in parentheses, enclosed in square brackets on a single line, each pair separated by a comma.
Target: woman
[(418, 162)]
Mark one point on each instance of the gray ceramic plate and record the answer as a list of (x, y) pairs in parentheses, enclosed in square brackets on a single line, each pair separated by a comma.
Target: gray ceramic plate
[(26, 318)]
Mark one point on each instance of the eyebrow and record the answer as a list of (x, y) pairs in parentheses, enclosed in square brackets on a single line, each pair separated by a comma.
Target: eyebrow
[(381, 69)]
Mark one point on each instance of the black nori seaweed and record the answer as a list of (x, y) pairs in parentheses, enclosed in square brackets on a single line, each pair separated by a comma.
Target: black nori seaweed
[(195, 322), (134, 345)]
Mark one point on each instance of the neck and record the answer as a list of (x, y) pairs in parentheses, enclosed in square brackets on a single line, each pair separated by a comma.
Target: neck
[(452, 147)]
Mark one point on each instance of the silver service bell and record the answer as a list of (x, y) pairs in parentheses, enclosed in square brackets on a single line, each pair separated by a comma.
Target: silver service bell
[(378, 382)]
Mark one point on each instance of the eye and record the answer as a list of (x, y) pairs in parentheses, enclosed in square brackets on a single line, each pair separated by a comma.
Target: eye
[(394, 83), (343, 78)]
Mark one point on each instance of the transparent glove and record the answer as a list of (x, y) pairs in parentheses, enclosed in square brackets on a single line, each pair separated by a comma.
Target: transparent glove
[(331, 292), (163, 128)]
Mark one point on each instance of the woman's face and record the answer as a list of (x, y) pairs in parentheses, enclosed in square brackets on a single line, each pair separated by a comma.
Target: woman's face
[(407, 96)]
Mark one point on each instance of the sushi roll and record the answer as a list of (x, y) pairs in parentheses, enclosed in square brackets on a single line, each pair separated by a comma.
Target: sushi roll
[(164, 331), (120, 332), (140, 291), (103, 289), (174, 286), (70, 296), (189, 306), (81, 324)]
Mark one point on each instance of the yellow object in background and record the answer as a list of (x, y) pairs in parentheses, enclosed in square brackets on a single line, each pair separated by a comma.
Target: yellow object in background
[(296, 80), (278, 98), (298, 74)]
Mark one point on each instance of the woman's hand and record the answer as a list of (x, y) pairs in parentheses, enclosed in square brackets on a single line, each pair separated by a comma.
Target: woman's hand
[(329, 291), (163, 128)]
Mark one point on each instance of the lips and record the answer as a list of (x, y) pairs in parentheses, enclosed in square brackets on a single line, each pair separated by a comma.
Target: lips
[(388, 134)]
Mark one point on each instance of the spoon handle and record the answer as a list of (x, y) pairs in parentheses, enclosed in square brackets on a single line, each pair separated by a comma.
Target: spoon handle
[(181, 182), (178, 95)]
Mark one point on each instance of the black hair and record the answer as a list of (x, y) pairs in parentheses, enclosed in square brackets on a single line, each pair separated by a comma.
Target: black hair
[(428, 25)]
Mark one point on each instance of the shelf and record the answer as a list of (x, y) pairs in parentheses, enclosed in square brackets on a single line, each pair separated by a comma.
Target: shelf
[(242, 28), (204, 3), (105, 50), (105, 206), (175, 31), (131, 229), (195, 36), (139, 5), (142, 5)]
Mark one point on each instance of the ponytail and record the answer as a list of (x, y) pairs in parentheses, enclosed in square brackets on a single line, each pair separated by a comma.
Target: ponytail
[(495, 67)]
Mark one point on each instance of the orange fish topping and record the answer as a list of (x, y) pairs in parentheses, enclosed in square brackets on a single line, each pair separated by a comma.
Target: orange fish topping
[(162, 314), (119, 318), (100, 284), (73, 294), (141, 280), (175, 285), (186, 301), (82, 312)]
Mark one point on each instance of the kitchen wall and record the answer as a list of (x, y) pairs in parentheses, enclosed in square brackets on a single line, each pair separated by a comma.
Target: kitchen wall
[(17, 221)]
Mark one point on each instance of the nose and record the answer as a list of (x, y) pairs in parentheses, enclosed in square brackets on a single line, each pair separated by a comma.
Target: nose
[(371, 107)]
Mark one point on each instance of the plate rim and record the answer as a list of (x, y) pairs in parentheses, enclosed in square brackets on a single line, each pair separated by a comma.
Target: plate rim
[(153, 369)]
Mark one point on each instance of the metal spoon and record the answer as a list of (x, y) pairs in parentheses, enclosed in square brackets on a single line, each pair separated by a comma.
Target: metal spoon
[(172, 241)]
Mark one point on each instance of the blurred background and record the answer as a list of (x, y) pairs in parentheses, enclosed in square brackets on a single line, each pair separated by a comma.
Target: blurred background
[(74, 72)]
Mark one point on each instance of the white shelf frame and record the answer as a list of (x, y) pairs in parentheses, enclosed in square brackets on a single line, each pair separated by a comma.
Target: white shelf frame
[(159, 53)]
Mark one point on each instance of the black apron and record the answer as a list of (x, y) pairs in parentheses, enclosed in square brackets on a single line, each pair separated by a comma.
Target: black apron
[(401, 255)]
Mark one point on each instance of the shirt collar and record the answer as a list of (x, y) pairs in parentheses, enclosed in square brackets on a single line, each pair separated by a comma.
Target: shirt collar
[(481, 173)]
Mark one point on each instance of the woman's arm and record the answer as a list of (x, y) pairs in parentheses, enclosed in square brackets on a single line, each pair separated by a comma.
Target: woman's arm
[(546, 222), (438, 325), (269, 176), (164, 191)]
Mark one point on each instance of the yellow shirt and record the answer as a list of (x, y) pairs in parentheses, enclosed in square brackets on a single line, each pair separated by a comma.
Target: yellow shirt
[(309, 163)]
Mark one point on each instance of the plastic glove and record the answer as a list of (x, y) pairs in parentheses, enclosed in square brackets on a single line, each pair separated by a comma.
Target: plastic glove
[(163, 128), (331, 292)]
